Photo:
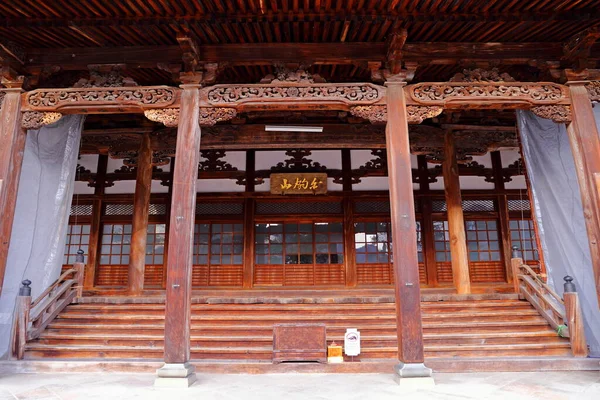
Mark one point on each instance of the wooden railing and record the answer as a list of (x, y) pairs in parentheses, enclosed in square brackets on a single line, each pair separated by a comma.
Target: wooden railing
[(32, 317), (563, 315)]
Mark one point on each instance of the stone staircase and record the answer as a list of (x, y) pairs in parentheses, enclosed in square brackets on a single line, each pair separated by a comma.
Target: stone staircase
[(243, 332)]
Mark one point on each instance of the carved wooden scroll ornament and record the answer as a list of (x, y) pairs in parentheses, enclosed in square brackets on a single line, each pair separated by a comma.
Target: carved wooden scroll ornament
[(557, 113), (593, 89), (378, 114), (35, 120), (208, 116)]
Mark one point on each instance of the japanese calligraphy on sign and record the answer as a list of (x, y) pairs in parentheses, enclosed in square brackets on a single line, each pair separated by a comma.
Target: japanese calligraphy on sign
[(301, 183)]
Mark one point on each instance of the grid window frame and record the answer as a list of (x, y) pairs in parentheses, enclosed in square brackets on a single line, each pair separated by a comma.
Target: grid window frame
[(381, 227), (77, 237), (483, 240), (218, 243), (155, 244), (522, 235), (115, 247), (441, 241)]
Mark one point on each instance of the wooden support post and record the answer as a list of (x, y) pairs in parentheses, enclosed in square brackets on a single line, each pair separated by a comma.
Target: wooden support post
[(348, 206), (12, 145), (249, 206), (515, 265), (141, 207), (575, 322), (21, 322), (406, 267), (427, 223), (502, 213), (456, 221), (95, 226), (585, 145), (79, 266), (177, 371)]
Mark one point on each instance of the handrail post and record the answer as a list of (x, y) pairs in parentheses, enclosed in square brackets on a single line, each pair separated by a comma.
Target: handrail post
[(574, 319), (79, 266), (23, 307), (515, 263)]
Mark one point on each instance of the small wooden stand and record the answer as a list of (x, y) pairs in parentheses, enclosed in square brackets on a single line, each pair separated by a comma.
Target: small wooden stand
[(299, 342)]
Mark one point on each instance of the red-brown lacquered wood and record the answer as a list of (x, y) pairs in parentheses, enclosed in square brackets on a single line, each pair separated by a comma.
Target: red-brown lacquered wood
[(456, 222), (502, 213), (141, 205), (585, 145), (181, 230), (12, 144), (95, 235), (427, 223), (406, 268)]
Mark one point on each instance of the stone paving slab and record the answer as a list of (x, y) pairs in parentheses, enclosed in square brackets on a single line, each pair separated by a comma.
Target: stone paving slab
[(582, 385)]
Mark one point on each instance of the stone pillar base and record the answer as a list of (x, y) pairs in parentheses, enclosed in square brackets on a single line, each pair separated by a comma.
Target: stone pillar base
[(415, 375), (175, 375)]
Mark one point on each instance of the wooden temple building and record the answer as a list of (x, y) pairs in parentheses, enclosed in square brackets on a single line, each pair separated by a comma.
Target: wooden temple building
[(251, 164)]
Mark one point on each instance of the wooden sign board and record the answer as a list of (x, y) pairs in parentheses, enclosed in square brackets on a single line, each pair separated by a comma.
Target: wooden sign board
[(299, 342), (299, 183)]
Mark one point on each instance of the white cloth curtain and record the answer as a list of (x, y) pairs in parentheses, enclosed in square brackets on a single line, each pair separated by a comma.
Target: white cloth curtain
[(41, 214), (559, 213)]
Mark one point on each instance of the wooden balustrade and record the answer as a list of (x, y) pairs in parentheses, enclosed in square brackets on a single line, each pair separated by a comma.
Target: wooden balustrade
[(563, 315), (32, 317)]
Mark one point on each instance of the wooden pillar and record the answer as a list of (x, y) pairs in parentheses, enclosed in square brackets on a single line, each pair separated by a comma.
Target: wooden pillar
[(585, 145), (502, 213), (249, 206), (141, 208), (427, 223), (177, 371), (406, 268), (456, 221), (95, 226), (348, 208), (12, 145)]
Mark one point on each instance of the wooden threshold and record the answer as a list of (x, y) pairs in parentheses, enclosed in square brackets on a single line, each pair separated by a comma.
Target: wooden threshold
[(439, 365)]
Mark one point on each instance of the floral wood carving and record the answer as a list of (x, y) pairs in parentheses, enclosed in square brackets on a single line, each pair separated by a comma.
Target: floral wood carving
[(593, 89), (417, 114), (213, 161), (298, 163), (557, 113), (167, 116), (35, 119), (2, 94), (514, 169), (481, 75), (375, 114), (90, 98), (516, 93), (360, 93), (378, 114), (283, 74), (130, 157), (374, 167), (112, 78), (210, 116)]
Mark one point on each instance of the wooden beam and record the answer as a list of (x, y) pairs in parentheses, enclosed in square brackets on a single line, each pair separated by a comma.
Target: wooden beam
[(456, 221), (11, 52), (141, 209), (12, 138), (359, 53), (577, 49), (95, 226), (427, 237), (181, 237), (502, 213), (406, 267), (585, 145)]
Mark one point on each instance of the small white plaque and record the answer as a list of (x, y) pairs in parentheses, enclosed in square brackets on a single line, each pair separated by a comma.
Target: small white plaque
[(352, 342)]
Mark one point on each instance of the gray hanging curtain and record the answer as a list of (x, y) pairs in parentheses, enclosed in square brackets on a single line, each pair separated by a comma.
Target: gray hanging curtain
[(559, 213), (41, 215)]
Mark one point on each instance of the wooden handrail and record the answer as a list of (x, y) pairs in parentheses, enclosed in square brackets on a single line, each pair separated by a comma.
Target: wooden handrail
[(563, 315), (32, 317)]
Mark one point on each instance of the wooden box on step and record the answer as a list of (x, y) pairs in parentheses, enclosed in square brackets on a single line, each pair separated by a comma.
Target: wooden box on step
[(299, 342)]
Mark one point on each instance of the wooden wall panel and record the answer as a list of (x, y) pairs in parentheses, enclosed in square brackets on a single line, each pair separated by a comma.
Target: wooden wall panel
[(487, 271), (268, 275), (444, 272), (200, 275), (153, 276), (374, 274), (330, 274), (299, 275), (226, 275), (112, 275)]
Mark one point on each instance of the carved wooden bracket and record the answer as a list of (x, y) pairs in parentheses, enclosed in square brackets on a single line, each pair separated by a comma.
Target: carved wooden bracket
[(214, 161), (2, 94), (101, 99), (593, 89), (300, 95), (35, 120), (378, 114), (208, 116), (557, 113)]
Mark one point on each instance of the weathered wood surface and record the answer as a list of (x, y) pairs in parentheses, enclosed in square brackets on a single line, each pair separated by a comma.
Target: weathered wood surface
[(299, 342), (181, 231), (22, 310), (456, 221), (406, 269), (141, 208), (12, 144), (574, 319), (585, 146), (503, 215), (427, 238), (95, 223)]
